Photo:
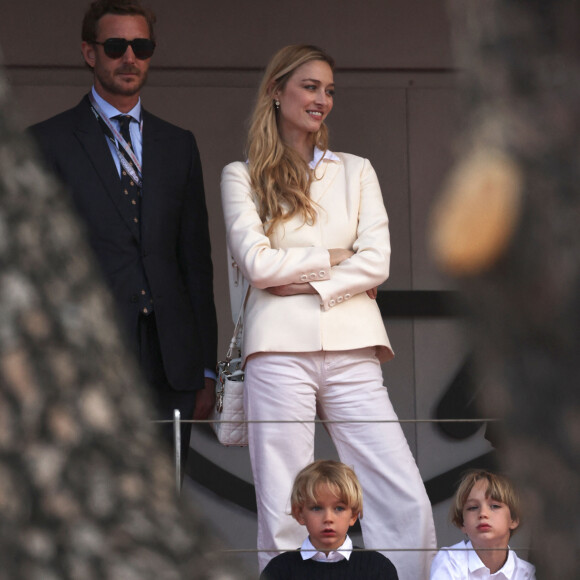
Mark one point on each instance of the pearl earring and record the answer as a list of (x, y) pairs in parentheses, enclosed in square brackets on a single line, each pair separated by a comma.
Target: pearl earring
[(277, 104)]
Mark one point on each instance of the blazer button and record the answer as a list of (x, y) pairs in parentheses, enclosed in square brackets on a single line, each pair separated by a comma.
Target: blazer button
[(313, 276), (322, 273), (304, 277), (332, 302), (346, 296), (339, 299)]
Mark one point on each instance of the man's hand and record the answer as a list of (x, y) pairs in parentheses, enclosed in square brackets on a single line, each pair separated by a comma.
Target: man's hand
[(204, 400)]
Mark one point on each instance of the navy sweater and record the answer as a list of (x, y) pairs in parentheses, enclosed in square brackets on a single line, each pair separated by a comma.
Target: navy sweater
[(360, 566)]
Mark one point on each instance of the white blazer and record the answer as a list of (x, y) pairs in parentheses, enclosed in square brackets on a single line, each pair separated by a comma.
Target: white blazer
[(352, 215)]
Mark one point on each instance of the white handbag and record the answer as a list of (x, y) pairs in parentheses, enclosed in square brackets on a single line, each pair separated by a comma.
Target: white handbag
[(227, 416)]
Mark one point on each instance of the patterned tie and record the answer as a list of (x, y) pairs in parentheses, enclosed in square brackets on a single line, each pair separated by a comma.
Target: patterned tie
[(130, 189)]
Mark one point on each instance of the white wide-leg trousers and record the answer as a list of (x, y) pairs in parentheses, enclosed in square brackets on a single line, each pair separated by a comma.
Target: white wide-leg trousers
[(339, 386)]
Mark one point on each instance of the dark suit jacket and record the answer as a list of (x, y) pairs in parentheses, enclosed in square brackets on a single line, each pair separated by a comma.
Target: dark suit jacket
[(172, 248)]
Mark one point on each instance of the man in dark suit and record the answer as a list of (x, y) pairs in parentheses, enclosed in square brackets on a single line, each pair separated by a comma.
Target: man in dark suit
[(137, 183)]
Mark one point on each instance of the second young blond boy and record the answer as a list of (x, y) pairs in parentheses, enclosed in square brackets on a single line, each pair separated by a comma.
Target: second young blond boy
[(486, 509), (327, 500)]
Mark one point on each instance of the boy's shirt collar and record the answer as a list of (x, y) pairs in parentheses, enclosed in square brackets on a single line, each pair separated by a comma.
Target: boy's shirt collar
[(475, 564), (308, 551)]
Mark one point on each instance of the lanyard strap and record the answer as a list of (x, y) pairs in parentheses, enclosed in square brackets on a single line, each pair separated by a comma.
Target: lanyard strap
[(126, 155)]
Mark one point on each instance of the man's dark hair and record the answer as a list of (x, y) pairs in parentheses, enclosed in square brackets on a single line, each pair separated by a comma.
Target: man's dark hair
[(99, 8)]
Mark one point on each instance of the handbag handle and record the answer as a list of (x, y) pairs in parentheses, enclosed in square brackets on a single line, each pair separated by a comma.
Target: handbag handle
[(238, 328)]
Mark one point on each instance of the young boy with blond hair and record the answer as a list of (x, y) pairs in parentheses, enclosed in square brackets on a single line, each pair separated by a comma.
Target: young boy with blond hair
[(327, 499), (485, 508)]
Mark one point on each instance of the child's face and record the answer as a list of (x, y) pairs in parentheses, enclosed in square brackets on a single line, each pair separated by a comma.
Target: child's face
[(327, 520), (486, 522)]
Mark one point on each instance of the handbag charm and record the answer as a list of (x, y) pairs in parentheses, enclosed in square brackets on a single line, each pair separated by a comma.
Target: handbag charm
[(230, 371)]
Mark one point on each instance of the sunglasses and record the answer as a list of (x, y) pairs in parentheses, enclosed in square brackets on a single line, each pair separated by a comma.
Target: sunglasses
[(143, 48)]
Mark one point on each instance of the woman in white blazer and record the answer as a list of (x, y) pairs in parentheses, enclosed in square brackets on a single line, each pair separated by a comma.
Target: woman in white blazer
[(309, 231)]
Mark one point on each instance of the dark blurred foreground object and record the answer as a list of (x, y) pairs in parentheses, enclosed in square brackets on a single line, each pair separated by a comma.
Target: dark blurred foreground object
[(508, 228), (86, 491)]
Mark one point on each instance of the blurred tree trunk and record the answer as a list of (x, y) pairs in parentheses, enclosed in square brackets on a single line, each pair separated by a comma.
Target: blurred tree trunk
[(86, 491), (508, 228)]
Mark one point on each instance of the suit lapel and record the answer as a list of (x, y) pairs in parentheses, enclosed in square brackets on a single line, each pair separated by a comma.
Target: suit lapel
[(93, 141), (326, 172), (152, 171), (155, 168)]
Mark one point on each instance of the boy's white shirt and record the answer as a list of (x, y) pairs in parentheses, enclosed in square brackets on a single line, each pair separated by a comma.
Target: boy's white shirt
[(308, 551), (451, 563)]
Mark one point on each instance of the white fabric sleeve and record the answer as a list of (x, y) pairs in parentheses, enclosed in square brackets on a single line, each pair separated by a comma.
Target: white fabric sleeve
[(369, 266), (262, 265)]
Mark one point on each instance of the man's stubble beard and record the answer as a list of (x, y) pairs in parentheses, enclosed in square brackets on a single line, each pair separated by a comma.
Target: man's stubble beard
[(110, 84)]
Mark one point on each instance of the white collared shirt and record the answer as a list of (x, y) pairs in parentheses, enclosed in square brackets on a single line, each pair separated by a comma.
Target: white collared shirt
[(308, 551), (461, 562), (134, 128), (319, 154)]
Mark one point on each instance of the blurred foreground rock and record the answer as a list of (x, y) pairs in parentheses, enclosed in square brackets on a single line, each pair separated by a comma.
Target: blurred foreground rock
[(85, 490), (508, 228)]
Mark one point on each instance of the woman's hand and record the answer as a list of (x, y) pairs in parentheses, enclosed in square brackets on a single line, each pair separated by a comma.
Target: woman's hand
[(338, 255), (291, 289), (372, 292)]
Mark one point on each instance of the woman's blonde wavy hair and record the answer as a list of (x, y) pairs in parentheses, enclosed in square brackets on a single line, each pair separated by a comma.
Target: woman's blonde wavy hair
[(279, 176)]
